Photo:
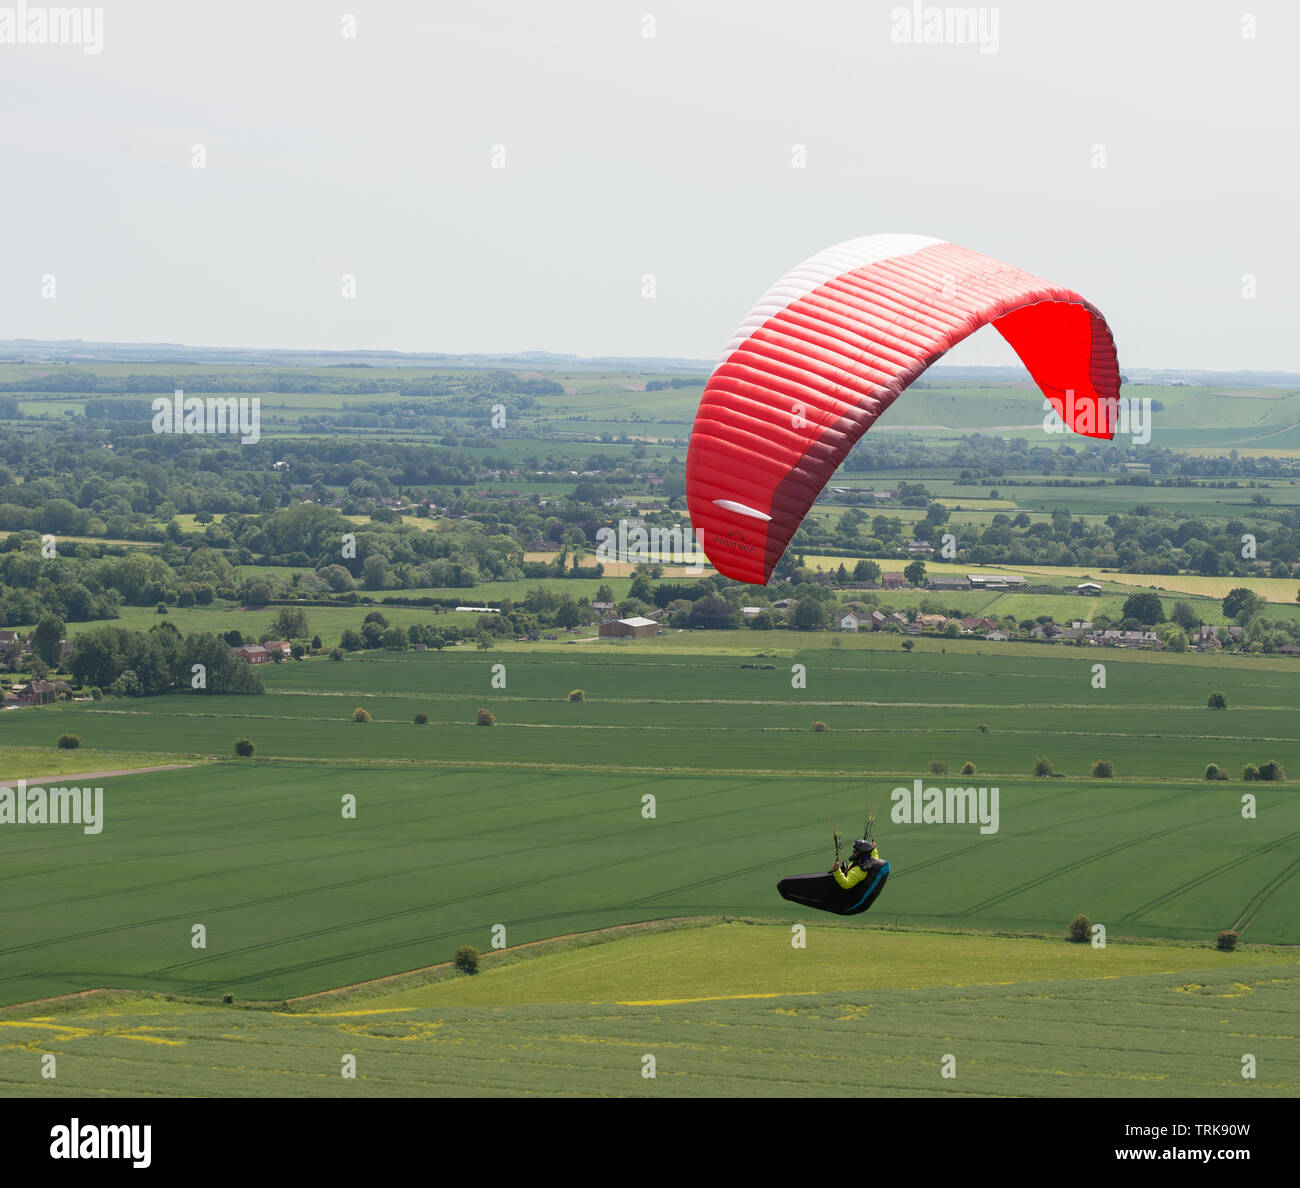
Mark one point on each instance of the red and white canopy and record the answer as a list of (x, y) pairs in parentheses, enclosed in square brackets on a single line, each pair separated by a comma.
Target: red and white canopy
[(833, 344)]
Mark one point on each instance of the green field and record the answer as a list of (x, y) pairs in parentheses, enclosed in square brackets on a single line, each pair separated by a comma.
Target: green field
[(536, 823), (723, 1010)]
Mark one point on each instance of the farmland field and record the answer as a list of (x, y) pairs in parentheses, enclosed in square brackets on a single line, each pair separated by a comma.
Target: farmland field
[(723, 1009), (538, 822)]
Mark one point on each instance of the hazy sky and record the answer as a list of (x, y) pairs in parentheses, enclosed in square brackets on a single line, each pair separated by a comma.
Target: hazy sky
[(628, 155)]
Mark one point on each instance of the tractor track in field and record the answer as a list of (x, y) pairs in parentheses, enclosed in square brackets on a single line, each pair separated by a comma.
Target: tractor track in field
[(1183, 888), (1261, 896)]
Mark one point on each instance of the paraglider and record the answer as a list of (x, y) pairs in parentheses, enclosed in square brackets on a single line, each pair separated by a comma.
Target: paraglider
[(833, 344), (846, 889)]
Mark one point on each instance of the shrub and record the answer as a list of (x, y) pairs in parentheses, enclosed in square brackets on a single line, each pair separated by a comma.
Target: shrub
[(1217, 701), (1227, 941), (1103, 769), (576, 695), (1080, 928), (819, 728), (1272, 770), (1250, 772), (161, 609), (68, 742), (421, 719), (982, 728), (908, 645), (485, 718), (1043, 766), (466, 959), (360, 715), (968, 769), (337, 655), (938, 767), (243, 747), (1214, 772)]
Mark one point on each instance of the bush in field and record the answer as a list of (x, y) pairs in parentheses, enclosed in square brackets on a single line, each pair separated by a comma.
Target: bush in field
[(485, 718), (243, 747), (422, 719), (360, 715), (938, 767), (466, 959), (1217, 701), (819, 728), (576, 695), (982, 728), (1227, 941), (1103, 769), (968, 769), (1272, 770), (1250, 772), (68, 742), (337, 655), (1214, 772), (1043, 767), (1080, 928)]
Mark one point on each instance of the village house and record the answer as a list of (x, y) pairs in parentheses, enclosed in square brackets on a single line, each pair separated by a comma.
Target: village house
[(252, 653)]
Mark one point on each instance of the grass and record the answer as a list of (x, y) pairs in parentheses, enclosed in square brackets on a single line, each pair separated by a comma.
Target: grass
[(1160, 1021)]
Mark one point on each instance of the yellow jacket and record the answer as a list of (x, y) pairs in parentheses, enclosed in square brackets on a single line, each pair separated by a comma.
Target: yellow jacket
[(854, 875)]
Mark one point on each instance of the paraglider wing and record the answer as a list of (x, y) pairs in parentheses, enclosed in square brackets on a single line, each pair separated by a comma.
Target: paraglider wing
[(833, 344)]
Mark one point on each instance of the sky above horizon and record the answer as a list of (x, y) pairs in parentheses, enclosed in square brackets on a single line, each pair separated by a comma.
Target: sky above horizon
[(612, 179)]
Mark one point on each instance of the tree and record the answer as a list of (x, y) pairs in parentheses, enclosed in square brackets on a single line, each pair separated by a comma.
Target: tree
[(1080, 928), (1185, 617), (68, 742), (466, 959), (1145, 608), (1250, 772), (915, 573), (968, 768), (869, 571), (908, 645), (713, 613), (1227, 941), (374, 572), (810, 613), (47, 638), (244, 748), (1272, 770), (1240, 604), (360, 715), (484, 641), (1103, 769), (576, 695), (1043, 766), (938, 767), (290, 622), (1214, 772), (485, 718), (1216, 701)]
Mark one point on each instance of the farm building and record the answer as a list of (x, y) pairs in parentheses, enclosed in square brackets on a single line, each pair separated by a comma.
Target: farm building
[(995, 581), (252, 653), (1087, 588), (622, 628), (892, 581)]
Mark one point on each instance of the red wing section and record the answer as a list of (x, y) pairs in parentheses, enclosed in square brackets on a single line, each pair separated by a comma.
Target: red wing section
[(834, 344)]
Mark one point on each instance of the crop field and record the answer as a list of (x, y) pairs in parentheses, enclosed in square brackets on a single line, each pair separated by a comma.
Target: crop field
[(723, 1009), (540, 822)]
